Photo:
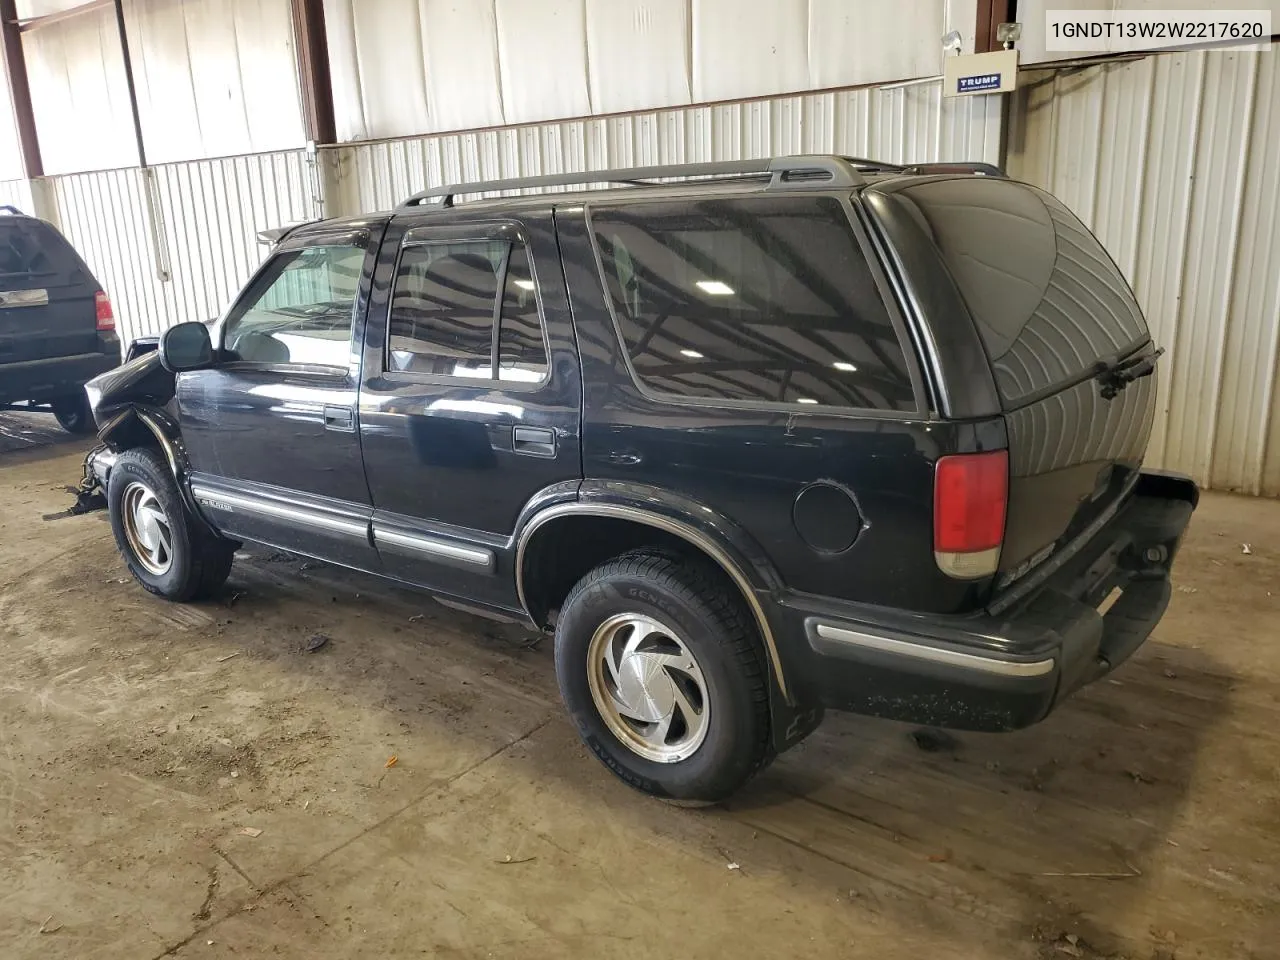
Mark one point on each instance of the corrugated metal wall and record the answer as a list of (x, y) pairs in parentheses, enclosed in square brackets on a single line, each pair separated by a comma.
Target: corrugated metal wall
[(16, 193), (1174, 161), (187, 258), (912, 122)]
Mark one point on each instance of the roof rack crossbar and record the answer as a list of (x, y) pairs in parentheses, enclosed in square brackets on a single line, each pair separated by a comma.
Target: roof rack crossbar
[(781, 173)]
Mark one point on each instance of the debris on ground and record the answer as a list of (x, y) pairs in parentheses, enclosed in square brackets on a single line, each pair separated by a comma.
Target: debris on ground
[(231, 600), (507, 859), (391, 761), (942, 857), (1246, 549), (45, 928), (250, 832), (315, 642), (416, 617), (933, 740), (228, 657), (1186, 589), (733, 866)]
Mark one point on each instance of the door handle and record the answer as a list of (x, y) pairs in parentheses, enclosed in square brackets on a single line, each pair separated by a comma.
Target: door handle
[(341, 419), (534, 441)]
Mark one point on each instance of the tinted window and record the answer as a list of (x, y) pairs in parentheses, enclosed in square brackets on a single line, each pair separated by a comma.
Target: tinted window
[(1048, 301), (33, 249), (522, 355), (300, 309), (442, 312), (761, 299)]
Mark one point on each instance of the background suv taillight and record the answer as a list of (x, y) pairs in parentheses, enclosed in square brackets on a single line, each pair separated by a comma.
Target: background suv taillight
[(970, 498), (106, 316)]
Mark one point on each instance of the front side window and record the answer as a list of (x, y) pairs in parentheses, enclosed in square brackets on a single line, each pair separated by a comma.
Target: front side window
[(765, 299), (300, 310), (444, 307)]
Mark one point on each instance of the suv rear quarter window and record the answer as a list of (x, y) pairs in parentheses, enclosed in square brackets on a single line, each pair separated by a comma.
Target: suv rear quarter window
[(761, 299), (1047, 299)]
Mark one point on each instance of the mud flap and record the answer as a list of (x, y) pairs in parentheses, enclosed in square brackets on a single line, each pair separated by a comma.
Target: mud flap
[(791, 723)]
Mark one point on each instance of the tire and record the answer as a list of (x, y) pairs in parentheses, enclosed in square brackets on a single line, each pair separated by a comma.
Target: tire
[(166, 550), (73, 413), (697, 648)]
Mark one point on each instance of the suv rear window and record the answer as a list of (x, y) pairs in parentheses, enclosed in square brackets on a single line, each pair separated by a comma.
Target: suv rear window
[(33, 249), (762, 299), (1048, 300)]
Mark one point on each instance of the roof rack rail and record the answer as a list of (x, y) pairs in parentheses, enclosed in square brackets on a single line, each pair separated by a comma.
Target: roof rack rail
[(11, 210), (980, 169), (780, 172)]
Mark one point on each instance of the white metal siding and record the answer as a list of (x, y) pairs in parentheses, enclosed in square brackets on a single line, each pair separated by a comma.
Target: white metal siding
[(204, 242), (905, 123), (413, 67), (1174, 161)]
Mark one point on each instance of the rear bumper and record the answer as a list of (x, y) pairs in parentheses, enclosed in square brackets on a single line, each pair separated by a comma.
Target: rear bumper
[(1000, 671), (42, 380)]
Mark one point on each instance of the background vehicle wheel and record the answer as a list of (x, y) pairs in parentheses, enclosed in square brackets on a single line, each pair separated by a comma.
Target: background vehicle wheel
[(663, 675), (73, 413), (165, 549)]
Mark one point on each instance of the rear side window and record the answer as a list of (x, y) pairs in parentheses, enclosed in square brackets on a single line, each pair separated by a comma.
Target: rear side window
[(30, 249), (444, 308), (762, 299), (1048, 300)]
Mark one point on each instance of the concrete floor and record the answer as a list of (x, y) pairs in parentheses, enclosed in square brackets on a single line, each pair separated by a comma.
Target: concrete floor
[(141, 744)]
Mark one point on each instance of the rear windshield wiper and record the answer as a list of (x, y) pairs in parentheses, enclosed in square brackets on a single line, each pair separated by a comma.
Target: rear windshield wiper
[(1113, 378)]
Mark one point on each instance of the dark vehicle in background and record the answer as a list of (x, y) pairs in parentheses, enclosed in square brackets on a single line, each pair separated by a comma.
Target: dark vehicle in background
[(777, 437), (57, 329)]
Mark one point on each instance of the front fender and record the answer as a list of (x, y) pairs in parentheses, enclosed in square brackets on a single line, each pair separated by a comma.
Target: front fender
[(141, 424)]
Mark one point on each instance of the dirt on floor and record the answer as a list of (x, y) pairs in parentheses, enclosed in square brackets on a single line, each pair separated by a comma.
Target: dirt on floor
[(198, 781)]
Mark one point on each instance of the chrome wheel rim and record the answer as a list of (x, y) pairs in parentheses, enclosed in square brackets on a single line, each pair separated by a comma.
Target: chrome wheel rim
[(146, 528), (648, 687)]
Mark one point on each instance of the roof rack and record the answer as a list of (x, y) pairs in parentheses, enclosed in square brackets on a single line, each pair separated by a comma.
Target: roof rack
[(979, 169), (780, 172), (11, 210)]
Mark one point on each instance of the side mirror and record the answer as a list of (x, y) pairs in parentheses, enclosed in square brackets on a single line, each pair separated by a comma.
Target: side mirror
[(186, 346)]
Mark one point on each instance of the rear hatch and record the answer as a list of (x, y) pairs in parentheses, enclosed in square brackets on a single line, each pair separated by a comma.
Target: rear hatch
[(46, 294), (1068, 348)]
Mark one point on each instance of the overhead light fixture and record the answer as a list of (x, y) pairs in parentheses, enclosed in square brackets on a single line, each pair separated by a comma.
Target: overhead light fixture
[(715, 288), (846, 367), (691, 354), (524, 284), (805, 400)]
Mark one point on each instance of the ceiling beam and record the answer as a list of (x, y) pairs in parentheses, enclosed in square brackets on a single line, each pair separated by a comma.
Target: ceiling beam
[(991, 13), (15, 65), (311, 52), (35, 23)]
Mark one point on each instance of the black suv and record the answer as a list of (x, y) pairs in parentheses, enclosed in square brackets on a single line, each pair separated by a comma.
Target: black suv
[(753, 439), (57, 330)]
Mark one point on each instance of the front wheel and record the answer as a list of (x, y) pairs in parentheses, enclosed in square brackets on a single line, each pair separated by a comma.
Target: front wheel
[(166, 550), (663, 675), (73, 413)]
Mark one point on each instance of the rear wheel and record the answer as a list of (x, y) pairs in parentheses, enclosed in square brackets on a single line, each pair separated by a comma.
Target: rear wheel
[(662, 672), (166, 550), (73, 413)]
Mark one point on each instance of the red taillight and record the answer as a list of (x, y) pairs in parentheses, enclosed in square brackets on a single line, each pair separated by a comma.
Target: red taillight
[(106, 317), (970, 495)]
